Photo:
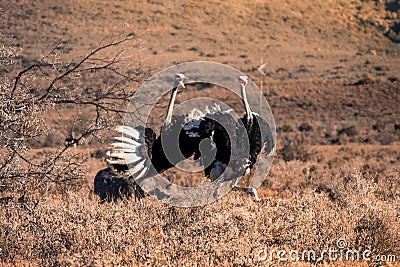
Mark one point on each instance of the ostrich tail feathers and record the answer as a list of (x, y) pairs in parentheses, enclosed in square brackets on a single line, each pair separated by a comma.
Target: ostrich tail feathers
[(128, 152)]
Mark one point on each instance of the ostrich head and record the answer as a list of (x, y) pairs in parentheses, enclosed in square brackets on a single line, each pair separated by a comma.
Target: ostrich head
[(179, 78), (178, 82), (243, 80)]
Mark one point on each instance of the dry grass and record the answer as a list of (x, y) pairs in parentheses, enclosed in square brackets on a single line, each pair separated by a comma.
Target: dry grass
[(354, 203)]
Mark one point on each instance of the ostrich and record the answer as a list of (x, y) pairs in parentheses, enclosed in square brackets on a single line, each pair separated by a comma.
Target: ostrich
[(255, 125), (130, 148), (208, 126), (141, 148)]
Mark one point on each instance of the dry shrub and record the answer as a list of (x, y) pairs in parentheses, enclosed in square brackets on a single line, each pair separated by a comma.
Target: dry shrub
[(294, 148), (350, 131), (385, 138), (286, 128), (51, 140), (305, 127), (28, 97)]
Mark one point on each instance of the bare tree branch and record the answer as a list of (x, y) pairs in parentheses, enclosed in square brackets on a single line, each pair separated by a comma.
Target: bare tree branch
[(97, 85)]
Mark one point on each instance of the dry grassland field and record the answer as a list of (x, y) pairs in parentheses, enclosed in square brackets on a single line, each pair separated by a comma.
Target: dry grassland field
[(332, 79)]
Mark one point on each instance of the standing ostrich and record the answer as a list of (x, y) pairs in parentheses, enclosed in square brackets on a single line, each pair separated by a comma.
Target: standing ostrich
[(255, 125), (212, 125), (258, 132)]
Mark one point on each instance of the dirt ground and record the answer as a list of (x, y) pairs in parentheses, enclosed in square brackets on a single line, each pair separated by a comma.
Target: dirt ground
[(332, 81)]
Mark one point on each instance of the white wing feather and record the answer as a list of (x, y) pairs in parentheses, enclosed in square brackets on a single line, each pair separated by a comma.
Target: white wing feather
[(138, 167), (126, 130), (126, 140)]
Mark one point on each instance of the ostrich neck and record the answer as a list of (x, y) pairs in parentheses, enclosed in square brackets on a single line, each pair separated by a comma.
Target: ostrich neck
[(249, 114), (168, 118)]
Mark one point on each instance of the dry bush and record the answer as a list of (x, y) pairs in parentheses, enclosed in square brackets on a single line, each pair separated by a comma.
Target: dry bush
[(286, 128), (350, 131), (98, 85), (305, 127), (294, 148)]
